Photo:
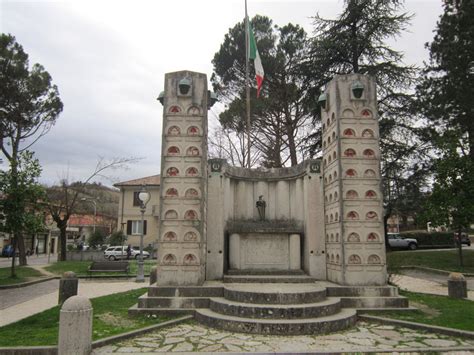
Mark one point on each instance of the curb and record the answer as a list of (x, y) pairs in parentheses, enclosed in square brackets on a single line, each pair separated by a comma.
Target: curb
[(419, 326), (29, 283), (434, 271)]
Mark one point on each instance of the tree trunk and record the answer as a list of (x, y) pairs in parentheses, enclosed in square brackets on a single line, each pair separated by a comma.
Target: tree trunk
[(459, 241), (13, 271), (22, 261), (62, 241)]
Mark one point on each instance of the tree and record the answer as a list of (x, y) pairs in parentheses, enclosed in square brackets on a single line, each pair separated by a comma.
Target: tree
[(282, 116), (63, 199), (29, 107), (117, 238), (445, 98), (22, 202), (96, 239), (356, 42)]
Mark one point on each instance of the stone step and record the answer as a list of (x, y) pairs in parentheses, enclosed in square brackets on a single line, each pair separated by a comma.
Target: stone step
[(275, 293), (185, 291), (173, 302), (268, 279), (265, 272), (275, 311), (364, 291), (135, 310), (323, 325), (374, 302)]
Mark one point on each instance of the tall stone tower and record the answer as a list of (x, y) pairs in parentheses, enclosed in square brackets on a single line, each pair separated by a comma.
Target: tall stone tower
[(182, 225), (353, 211)]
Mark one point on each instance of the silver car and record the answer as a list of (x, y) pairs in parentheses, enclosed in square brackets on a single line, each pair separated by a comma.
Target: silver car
[(120, 252), (397, 241)]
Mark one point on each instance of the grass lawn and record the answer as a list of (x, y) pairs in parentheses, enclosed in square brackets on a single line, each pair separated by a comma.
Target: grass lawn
[(80, 267), (110, 318), (23, 274), (436, 310), (444, 260)]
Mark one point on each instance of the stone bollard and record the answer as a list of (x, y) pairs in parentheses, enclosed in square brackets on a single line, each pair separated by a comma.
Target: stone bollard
[(67, 286), (153, 275), (75, 327), (457, 286)]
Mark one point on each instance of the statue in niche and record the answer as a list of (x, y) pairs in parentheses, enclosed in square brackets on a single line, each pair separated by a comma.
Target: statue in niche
[(261, 205)]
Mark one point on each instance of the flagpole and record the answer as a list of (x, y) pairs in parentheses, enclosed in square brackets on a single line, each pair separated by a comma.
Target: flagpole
[(247, 81)]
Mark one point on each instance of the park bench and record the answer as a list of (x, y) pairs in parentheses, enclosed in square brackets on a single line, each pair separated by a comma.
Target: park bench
[(109, 266)]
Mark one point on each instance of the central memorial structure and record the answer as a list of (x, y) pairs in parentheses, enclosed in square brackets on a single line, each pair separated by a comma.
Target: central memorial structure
[(318, 221)]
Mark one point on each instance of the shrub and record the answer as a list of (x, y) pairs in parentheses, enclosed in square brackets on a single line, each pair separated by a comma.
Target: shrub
[(428, 239)]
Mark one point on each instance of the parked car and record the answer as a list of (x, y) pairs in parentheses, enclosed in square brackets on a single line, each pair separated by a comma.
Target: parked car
[(120, 252), (464, 238), (7, 250), (395, 240)]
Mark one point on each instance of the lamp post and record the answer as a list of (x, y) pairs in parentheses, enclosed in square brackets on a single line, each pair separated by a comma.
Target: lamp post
[(144, 197), (95, 209)]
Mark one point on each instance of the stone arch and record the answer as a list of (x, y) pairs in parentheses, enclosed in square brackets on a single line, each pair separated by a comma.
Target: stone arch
[(335, 196), (191, 193), (324, 127), (353, 238), (192, 171), (327, 237), (369, 173), (325, 163), (355, 259), (194, 110), (331, 218), (352, 215), (192, 151), (174, 131), (373, 259), (373, 237), (333, 136), (324, 144), (326, 180), (328, 122), (370, 194), (191, 214), (172, 171), (332, 258), (351, 173), (336, 217), (332, 237), (335, 175), (369, 154), (352, 194), (170, 237), (175, 109), (350, 153), (366, 113), (337, 258), (172, 192), (330, 178), (173, 150), (334, 155), (337, 237), (326, 198), (333, 117), (193, 131), (330, 197), (171, 214), (190, 259), (329, 159), (371, 216), (349, 132), (326, 218), (348, 113), (368, 133), (191, 237), (169, 259)]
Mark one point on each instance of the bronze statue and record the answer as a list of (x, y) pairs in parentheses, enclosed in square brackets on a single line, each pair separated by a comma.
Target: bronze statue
[(261, 204)]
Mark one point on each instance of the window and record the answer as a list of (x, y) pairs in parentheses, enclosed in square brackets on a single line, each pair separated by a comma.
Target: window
[(133, 227), (136, 200)]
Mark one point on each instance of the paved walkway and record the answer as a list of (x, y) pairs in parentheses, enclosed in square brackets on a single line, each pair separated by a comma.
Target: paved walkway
[(362, 338)]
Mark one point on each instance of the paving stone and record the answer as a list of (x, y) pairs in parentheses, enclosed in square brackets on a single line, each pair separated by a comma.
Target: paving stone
[(128, 349), (232, 341), (252, 343), (440, 342), (386, 327), (217, 336), (261, 348), (171, 340), (178, 333), (242, 336), (387, 342), (365, 342), (196, 334), (415, 344), (234, 348), (145, 344), (183, 347), (163, 349), (215, 347), (390, 334)]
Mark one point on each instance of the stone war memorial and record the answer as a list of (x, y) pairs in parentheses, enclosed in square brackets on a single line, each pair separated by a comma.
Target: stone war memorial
[(278, 251)]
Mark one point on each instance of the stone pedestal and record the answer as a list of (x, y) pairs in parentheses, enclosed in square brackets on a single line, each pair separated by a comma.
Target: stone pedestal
[(67, 286), (295, 252), (153, 275), (234, 251), (75, 327), (457, 286)]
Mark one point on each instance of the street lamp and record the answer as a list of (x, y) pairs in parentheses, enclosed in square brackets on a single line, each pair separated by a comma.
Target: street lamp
[(95, 208), (143, 197)]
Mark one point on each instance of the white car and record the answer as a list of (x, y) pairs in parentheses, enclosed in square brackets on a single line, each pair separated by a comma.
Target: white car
[(397, 241), (120, 252)]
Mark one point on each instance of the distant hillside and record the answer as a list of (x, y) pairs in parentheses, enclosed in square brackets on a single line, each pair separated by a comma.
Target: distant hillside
[(107, 199)]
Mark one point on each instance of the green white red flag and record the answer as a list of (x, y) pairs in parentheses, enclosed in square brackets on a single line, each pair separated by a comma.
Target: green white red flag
[(253, 54)]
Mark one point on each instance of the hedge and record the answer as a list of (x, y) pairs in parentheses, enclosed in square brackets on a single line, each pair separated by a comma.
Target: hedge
[(436, 238)]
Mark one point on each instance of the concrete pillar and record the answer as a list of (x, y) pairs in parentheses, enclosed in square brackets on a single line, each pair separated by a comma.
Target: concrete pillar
[(75, 327), (295, 252), (67, 286), (457, 286), (234, 251), (153, 275)]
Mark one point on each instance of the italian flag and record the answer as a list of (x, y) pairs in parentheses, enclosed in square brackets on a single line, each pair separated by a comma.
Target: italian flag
[(253, 54)]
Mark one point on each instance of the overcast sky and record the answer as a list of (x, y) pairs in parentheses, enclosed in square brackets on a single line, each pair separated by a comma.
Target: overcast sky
[(109, 58)]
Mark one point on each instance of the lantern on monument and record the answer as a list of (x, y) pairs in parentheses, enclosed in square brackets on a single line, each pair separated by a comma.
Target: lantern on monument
[(322, 100), (184, 85), (161, 97), (357, 89)]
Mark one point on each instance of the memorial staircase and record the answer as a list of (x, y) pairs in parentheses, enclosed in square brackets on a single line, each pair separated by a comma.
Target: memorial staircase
[(268, 303)]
